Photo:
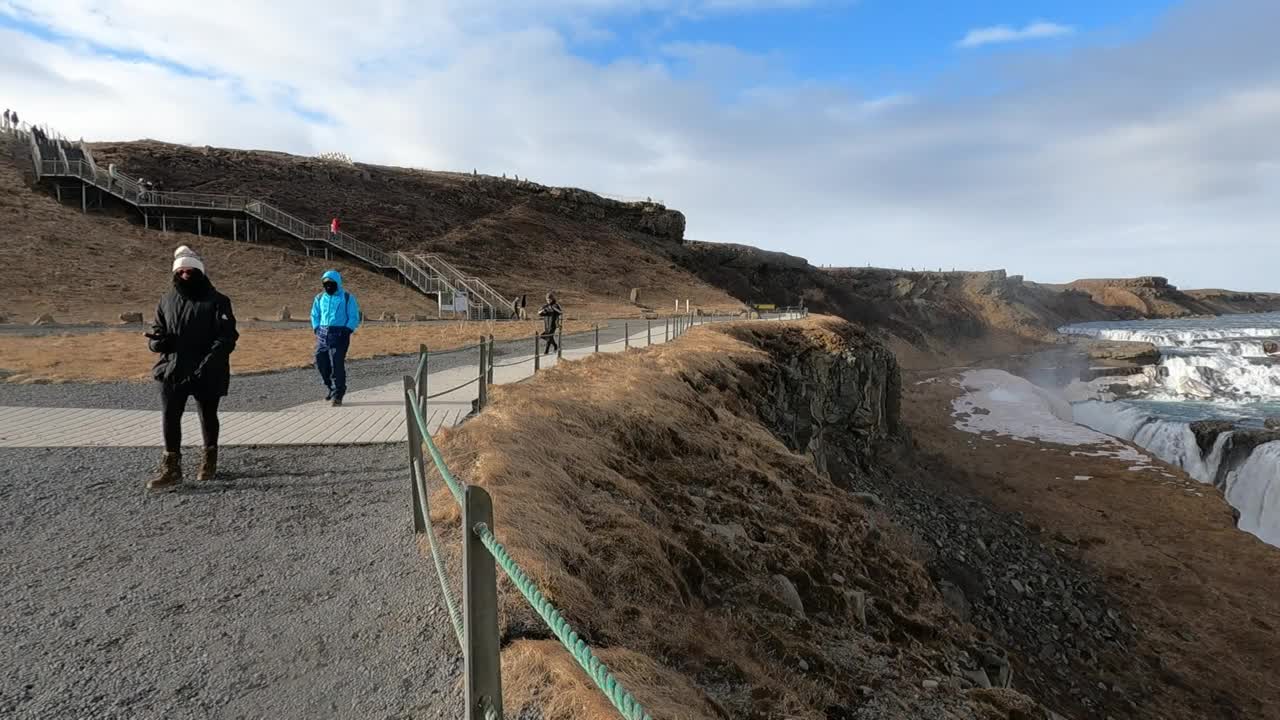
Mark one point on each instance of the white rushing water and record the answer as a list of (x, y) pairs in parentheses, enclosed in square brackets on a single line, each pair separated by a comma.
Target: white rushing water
[(1210, 369), (1170, 440), (1254, 489)]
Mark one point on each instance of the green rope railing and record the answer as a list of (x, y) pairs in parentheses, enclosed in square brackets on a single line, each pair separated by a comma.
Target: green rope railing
[(454, 618), (577, 647), (455, 487)]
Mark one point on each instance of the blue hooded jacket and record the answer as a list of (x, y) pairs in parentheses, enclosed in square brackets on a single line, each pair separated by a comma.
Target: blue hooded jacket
[(338, 311)]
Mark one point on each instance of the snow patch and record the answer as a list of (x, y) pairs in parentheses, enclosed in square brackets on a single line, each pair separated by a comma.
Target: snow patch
[(1004, 404)]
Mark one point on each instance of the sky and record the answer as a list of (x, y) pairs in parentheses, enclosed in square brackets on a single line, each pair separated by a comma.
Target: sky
[(1056, 139)]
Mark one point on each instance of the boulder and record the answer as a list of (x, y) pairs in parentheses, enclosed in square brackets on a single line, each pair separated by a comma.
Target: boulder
[(131, 318), (388, 317), (421, 317), (284, 314), (1271, 347), (1272, 423), (1207, 432), (789, 594), (45, 319), (1135, 353)]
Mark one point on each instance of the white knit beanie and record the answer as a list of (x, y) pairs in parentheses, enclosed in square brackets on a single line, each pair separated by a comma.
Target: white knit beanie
[(185, 257)]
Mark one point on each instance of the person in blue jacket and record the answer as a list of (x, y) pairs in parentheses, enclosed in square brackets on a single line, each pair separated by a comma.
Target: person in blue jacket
[(335, 314)]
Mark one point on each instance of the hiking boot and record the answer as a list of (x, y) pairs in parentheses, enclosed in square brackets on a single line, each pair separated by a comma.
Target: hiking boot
[(329, 395), (170, 475), (337, 401), (208, 465)]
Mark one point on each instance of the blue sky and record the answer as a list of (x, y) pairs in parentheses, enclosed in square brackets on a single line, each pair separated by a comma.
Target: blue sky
[(878, 47), (1054, 139)]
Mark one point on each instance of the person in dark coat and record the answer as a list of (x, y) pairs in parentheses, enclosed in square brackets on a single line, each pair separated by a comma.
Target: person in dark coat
[(195, 334), (551, 315)]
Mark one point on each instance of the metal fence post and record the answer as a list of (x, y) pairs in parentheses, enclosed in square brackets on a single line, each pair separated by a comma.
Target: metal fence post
[(537, 359), (480, 608), (560, 342), (626, 336), (597, 337), (666, 330), (415, 457), (490, 356), (484, 390), (648, 332)]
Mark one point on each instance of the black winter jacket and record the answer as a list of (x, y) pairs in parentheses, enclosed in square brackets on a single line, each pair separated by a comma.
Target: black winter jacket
[(195, 336), (550, 314)]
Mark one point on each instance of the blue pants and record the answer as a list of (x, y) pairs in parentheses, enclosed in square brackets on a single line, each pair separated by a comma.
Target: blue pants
[(331, 359)]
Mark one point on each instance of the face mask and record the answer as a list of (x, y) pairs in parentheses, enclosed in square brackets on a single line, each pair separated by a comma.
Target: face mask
[(330, 288), (191, 282)]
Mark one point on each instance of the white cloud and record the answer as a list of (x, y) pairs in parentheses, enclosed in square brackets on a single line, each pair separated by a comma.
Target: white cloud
[(1118, 160), (998, 34)]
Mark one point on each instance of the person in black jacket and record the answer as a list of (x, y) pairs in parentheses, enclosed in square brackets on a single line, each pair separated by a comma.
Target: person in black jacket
[(551, 315), (195, 333)]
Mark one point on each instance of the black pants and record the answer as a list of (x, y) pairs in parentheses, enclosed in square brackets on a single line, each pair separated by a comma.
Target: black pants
[(175, 403), (551, 342)]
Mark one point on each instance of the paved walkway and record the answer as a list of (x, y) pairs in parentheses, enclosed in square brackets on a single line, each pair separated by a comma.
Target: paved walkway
[(370, 416)]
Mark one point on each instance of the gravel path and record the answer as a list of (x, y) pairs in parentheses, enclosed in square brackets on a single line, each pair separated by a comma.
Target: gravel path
[(292, 590), (286, 388)]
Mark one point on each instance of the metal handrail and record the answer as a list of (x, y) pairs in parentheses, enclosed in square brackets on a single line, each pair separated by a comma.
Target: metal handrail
[(482, 287)]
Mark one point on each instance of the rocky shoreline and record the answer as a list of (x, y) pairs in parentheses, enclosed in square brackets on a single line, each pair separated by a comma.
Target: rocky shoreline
[(1120, 590)]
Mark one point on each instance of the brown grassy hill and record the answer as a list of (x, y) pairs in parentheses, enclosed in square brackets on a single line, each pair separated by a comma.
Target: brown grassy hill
[(519, 236), (83, 268)]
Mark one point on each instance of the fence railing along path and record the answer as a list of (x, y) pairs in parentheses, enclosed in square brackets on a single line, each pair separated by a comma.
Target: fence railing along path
[(474, 619), (430, 274)]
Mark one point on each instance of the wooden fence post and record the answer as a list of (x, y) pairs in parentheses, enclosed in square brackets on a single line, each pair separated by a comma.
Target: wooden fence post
[(490, 358), (484, 390), (480, 608), (414, 434)]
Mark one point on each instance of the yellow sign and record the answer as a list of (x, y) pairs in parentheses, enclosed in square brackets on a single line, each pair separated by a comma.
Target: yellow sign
[(766, 307)]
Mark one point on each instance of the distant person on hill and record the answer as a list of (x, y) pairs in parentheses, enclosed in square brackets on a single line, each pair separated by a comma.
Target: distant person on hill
[(6, 118), (515, 308), (335, 314), (195, 333), (551, 315), (333, 229)]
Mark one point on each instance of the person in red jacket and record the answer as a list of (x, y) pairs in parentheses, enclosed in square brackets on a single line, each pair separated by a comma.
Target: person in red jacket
[(333, 228)]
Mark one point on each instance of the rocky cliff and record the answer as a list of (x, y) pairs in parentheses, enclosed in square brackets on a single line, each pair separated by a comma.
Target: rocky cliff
[(686, 507), (940, 310)]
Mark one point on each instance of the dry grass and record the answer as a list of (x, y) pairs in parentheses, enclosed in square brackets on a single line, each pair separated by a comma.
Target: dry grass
[(518, 237), (117, 355), (90, 268), (646, 498)]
